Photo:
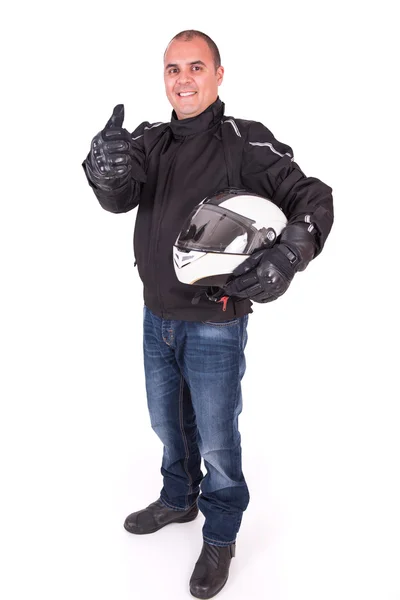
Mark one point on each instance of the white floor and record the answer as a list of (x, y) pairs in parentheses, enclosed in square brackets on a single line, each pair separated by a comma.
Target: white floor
[(307, 533)]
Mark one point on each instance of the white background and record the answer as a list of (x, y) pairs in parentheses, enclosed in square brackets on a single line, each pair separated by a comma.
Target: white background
[(320, 422)]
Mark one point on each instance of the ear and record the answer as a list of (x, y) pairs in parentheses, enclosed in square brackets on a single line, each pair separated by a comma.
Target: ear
[(220, 75)]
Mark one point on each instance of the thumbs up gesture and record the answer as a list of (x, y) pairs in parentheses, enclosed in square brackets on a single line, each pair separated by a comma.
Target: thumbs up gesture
[(109, 162)]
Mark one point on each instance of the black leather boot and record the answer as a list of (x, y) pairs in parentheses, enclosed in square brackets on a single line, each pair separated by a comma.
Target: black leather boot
[(156, 515), (211, 570)]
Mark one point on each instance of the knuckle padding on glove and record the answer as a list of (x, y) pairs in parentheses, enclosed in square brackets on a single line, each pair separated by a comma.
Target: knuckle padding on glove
[(113, 133), (118, 159), (268, 279), (111, 155), (277, 259), (116, 146)]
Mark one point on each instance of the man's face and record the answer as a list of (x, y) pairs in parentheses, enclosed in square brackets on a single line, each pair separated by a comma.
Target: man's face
[(189, 67)]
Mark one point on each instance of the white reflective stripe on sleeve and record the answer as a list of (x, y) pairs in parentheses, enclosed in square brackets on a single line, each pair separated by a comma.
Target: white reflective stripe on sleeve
[(235, 127), (271, 147), (155, 125), (307, 219)]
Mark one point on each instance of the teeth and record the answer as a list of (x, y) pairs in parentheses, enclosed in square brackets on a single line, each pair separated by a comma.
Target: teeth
[(186, 93)]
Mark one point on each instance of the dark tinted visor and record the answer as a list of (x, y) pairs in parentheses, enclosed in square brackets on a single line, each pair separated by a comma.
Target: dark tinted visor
[(215, 229)]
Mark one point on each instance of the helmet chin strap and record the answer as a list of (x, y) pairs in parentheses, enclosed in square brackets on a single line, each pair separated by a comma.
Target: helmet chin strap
[(215, 294)]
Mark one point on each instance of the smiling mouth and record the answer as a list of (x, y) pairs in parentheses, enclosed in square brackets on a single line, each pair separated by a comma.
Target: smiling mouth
[(186, 94)]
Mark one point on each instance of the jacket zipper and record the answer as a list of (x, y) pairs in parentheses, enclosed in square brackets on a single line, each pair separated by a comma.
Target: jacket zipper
[(155, 248)]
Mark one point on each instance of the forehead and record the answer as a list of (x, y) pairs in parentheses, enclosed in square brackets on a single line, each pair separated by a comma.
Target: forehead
[(179, 51)]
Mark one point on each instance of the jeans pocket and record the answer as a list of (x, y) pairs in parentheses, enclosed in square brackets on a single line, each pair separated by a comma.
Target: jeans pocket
[(222, 323)]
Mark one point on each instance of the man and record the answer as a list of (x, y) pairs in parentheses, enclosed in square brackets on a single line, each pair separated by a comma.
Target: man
[(194, 351)]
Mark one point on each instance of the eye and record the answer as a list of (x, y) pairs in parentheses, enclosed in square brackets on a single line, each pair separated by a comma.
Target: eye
[(172, 71), (196, 67)]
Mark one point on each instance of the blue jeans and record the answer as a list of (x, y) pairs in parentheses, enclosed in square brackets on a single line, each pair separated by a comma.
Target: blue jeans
[(193, 381)]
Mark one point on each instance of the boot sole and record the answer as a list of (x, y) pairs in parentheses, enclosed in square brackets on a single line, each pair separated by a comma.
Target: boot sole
[(182, 520), (208, 597)]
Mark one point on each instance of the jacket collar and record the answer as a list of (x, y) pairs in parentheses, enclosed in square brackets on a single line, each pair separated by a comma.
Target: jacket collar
[(205, 120)]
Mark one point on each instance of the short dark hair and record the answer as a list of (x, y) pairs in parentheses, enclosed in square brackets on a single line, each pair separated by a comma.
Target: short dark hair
[(189, 34)]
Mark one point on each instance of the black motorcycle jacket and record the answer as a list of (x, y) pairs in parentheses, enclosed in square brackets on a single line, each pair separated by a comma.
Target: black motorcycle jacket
[(175, 166)]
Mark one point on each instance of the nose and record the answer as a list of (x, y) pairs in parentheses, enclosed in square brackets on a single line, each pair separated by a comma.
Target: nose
[(184, 77)]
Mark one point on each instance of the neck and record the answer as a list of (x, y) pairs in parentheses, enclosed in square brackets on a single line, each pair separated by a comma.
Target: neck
[(200, 122)]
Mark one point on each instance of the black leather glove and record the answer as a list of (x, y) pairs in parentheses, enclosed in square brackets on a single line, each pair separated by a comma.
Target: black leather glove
[(267, 274), (109, 163)]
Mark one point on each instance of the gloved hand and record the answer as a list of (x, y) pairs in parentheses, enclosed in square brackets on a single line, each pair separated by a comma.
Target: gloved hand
[(109, 161), (267, 274)]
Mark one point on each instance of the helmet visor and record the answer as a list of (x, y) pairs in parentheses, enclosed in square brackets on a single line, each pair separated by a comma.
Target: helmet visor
[(215, 229)]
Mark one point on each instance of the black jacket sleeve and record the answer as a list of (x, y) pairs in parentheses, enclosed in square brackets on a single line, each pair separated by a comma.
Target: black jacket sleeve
[(127, 196), (268, 169)]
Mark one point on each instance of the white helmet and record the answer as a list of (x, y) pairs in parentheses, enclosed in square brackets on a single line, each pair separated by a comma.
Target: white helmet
[(221, 232)]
